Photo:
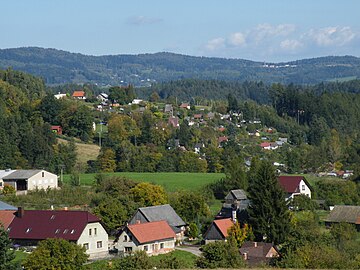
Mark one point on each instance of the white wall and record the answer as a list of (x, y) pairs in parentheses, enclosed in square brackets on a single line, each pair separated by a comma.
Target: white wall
[(43, 180), (98, 234)]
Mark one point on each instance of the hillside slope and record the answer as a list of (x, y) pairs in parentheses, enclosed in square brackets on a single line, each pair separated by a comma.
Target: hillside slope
[(57, 67)]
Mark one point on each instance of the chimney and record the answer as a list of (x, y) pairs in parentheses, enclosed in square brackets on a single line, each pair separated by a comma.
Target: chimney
[(233, 215), (65, 208), (20, 213), (245, 256), (255, 244)]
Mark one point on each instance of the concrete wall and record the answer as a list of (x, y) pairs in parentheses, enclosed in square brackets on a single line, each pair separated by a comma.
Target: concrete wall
[(93, 239)]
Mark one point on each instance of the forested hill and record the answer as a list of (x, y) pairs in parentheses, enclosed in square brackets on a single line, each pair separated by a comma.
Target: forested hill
[(57, 67)]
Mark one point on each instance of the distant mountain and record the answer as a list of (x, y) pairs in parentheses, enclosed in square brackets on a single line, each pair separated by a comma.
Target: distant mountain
[(58, 67)]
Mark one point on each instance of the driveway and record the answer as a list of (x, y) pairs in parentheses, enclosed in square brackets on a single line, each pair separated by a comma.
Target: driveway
[(192, 249)]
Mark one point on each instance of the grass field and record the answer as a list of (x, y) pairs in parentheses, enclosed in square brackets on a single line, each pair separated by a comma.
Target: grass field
[(172, 181), (84, 151)]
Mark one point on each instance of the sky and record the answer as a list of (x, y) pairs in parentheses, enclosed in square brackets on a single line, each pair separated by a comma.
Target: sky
[(259, 30)]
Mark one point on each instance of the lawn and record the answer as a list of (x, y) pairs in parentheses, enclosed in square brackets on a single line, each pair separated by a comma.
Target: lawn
[(20, 256), (172, 181)]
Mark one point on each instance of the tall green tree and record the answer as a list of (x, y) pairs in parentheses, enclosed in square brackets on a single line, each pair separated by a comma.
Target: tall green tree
[(6, 255), (269, 215)]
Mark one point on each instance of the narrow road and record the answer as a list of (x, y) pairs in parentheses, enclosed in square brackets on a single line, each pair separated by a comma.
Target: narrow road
[(194, 250)]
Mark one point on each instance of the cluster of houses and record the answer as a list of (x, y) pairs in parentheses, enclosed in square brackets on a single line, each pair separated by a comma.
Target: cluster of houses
[(155, 229)]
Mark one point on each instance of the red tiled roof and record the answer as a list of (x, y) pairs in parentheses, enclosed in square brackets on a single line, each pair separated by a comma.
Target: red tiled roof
[(222, 139), (290, 183), (265, 144), (6, 216), (78, 94), (151, 231), (223, 225), (42, 224)]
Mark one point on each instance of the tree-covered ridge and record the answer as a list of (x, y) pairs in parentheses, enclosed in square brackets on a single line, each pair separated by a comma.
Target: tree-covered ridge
[(57, 67)]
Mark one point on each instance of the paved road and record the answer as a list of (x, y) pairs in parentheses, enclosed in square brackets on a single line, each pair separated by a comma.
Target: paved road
[(194, 250)]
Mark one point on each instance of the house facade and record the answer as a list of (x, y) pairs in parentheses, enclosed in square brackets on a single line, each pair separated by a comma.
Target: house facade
[(160, 212), (295, 185), (24, 180), (152, 237), (29, 227)]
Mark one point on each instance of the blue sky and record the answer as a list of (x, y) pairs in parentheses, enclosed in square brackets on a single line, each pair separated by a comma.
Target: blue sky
[(262, 30)]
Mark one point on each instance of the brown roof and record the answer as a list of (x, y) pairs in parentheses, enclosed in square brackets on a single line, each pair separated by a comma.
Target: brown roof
[(223, 225), (6, 217), (290, 183), (151, 231), (345, 213), (78, 94), (42, 224), (222, 139), (257, 252)]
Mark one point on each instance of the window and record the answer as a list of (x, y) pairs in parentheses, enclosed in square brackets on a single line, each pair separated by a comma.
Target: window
[(90, 230), (1, 184), (146, 248), (28, 230), (95, 231), (128, 249), (42, 174), (57, 231), (303, 187), (65, 231), (161, 245), (125, 238), (52, 217), (99, 244), (86, 246), (72, 231)]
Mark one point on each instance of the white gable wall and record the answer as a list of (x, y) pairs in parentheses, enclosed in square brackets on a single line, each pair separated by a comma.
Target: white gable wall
[(95, 239), (43, 180), (303, 189)]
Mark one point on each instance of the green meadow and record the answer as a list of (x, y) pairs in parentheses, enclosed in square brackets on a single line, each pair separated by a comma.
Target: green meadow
[(171, 181)]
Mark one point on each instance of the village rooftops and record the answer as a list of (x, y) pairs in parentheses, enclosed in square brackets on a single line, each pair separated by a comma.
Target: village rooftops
[(345, 213), (223, 225), (162, 212)]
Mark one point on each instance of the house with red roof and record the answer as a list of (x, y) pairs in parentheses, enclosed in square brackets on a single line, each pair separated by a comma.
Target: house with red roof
[(6, 217), (154, 238), (218, 230), (295, 185), (79, 95), (29, 227)]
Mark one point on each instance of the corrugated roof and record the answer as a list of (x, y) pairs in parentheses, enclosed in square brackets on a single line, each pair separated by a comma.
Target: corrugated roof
[(5, 206), (6, 217), (223, 225), (42, 224), (21, 174), (151, 231), (162, 212), (290, 183), (344, 213)]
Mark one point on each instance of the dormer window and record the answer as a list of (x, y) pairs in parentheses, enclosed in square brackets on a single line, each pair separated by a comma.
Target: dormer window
[(52, 217), (65, 231), (28, 230), (57, 231), (72, 231)]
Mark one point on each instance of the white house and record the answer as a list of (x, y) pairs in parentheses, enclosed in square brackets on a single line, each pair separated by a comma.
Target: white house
[(24, 180), (28, 227), (295, 185), (4, 173), (152, 237)]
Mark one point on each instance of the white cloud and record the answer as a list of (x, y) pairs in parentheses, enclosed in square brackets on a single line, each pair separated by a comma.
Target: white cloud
[(291, 44), (264, 31), (331, 36), (141, 20), (237, 39), (215, 44)]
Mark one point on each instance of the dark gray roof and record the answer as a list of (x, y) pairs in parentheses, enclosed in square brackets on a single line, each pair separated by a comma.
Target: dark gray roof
[(162, 212), (344, 213), (21, 174), (238, 194), (5, 206)]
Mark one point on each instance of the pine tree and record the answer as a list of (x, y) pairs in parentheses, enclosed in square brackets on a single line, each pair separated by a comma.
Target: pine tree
[(6, 255), (268, 212)]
